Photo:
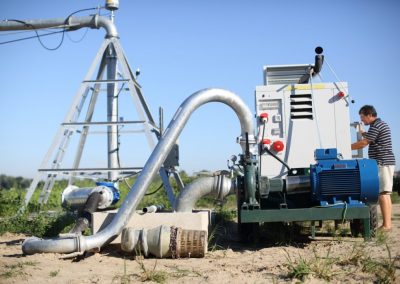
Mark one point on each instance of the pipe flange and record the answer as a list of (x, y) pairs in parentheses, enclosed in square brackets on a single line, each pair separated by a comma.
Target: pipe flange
[(107, 196)]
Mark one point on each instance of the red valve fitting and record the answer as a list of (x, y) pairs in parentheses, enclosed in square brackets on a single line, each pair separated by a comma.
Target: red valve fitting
[(264, 116), (278, 146), (341, 94), (266, 142)]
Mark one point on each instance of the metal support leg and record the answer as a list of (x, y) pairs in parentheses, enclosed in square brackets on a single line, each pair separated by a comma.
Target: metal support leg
[(367, 229), (112, 113), (313, 229), (167, 185)]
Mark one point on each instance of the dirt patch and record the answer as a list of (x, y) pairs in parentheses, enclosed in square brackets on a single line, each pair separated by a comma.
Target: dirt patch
[(335, 259)]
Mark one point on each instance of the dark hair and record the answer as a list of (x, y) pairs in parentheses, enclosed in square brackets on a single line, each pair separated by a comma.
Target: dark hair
[(368, 110)]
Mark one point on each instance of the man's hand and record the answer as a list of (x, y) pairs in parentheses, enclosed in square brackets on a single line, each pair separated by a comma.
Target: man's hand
[(360, 127)]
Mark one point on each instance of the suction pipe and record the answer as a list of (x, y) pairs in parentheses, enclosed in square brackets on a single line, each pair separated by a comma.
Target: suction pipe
[(217, 186), (80, 244)]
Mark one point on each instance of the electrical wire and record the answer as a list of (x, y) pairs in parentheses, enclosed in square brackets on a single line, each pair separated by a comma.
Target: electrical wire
[(273, 155), (334, 73), (338, 79), (315, 113), (14, 33), (147, 194), (79, 40), (25, 38), (155, 191), (131, 175), (38, 36)]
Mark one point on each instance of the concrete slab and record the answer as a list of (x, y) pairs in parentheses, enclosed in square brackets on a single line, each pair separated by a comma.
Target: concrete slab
[(199, 220)]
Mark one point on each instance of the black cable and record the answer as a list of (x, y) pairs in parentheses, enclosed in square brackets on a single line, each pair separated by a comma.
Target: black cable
[(273, 155), (2, 34), (37, 34), (79, 40), (260, 146), (30, 37), (131, 175), (155, 191)]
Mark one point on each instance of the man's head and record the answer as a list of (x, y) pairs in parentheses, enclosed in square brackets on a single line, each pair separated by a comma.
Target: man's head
[(367, 114)]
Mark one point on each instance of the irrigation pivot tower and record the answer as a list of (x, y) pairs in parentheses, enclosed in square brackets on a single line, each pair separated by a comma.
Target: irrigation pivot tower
[(116, 75)]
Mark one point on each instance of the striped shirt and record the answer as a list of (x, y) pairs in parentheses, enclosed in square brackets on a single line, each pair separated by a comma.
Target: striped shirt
[(380, 143)]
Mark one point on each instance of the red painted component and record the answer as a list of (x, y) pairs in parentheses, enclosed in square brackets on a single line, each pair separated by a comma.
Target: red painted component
[(341, 94), (278, 146), (266, 142), (263, 116)]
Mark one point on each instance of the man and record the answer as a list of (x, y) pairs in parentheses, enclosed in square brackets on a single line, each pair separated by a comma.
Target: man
[(379, 140)]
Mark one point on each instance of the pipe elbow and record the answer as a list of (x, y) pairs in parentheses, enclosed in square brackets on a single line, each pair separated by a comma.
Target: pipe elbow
[(218, 186), (108, 25)]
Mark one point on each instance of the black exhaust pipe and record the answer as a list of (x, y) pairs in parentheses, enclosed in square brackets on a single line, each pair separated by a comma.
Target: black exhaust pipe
[(319, 60)]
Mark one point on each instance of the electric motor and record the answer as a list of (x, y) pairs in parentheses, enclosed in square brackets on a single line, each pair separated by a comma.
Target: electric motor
[(334, 180)]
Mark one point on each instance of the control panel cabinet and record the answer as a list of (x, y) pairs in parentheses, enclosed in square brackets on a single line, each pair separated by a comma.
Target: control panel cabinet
[(295, 119)]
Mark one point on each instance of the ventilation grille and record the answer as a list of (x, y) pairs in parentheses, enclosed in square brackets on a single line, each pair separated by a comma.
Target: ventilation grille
[(336, 183), (301, 107), (285, 74)]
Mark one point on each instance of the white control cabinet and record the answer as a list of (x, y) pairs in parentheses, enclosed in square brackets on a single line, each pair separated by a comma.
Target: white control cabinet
[(295, 119)]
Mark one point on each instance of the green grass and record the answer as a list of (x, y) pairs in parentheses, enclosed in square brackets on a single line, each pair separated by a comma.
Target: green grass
[(50, 219), (17, 269), (54, 273), (321, 267), (379, 269)]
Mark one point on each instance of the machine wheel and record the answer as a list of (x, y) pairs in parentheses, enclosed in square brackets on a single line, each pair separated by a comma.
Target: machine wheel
[(357, 226)]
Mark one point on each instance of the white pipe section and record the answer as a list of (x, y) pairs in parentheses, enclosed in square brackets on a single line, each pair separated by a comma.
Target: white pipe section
[(217, 186), (94, 22), (150, 170)]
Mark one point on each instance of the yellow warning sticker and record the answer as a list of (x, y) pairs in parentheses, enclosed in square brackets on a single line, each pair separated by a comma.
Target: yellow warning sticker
[(305, 87)]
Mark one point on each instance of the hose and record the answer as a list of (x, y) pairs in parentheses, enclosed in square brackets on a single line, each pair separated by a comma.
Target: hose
[(84, 221)]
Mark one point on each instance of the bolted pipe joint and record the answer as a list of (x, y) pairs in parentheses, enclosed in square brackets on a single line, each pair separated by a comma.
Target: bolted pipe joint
[(223, 186), (164, 241)]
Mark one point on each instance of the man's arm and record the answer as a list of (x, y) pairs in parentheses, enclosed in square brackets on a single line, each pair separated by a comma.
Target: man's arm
[(359, 144)]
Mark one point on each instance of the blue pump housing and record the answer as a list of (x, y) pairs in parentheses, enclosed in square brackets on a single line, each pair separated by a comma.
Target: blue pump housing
[(115, 191), (351, 181)]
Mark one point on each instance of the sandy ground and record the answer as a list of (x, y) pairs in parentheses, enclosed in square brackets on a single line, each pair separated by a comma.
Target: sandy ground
[(334, 259)]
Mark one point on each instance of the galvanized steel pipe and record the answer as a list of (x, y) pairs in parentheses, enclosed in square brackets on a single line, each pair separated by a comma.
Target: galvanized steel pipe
[(94, 22), (149, 171), (218, 186)]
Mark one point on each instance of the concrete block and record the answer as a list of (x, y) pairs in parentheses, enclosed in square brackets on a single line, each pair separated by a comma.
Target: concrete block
[(199, 220)]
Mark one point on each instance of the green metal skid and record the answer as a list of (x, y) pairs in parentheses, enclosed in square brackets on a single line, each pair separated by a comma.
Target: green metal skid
[(307, 214)]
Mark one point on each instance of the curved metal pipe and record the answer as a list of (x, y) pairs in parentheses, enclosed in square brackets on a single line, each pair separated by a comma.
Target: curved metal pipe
[(72, 23), (216, 186), (60, 245), (152, 167)]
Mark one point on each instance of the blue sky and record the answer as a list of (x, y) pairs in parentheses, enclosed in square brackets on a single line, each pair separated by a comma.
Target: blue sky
[(184, 46)]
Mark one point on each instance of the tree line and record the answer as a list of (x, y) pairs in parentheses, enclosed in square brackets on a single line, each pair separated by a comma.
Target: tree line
[(8, 182)]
